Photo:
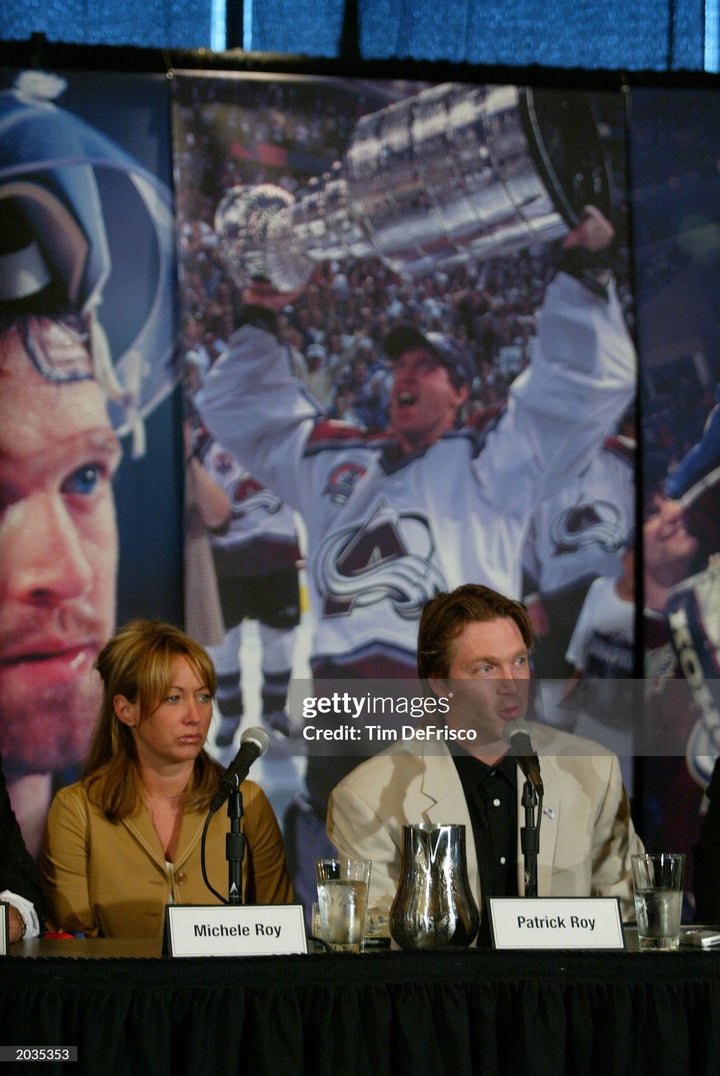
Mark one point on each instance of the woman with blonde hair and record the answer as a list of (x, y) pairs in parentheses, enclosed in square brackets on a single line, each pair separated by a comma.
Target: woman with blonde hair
[(125, 841)]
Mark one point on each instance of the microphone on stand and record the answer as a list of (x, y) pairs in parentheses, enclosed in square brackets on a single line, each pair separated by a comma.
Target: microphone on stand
[(254, 742), (517, 735)]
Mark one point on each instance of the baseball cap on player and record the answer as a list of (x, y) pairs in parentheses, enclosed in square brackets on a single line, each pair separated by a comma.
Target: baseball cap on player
[(451, 353), (316, 351), (70, 200)]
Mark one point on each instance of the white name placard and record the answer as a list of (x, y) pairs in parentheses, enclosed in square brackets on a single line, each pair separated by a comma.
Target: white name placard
[(234, 929), (556, 923)]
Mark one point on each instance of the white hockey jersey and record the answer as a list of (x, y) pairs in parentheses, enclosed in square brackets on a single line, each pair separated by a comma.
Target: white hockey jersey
[(580, 532), (386, 532)]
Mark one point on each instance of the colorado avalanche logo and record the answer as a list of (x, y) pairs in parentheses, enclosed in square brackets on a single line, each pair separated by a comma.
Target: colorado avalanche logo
[(249, 496), (587, 523), (389, 558), (342, 481)]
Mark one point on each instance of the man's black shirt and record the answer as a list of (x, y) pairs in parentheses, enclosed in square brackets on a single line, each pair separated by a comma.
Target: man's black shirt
[(491, 795)]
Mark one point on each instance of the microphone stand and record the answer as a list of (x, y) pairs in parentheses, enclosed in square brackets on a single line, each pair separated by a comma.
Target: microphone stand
[(530, 838), (235, 846)]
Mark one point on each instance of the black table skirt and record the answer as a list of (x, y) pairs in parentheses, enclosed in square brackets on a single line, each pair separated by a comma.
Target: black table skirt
[(454, 1012)]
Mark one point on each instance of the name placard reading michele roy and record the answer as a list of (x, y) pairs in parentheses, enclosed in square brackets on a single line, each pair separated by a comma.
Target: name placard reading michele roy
[(556, 923), (234, 930)]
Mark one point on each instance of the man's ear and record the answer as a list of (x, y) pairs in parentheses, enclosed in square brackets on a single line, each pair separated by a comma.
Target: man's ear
[(125, 711)]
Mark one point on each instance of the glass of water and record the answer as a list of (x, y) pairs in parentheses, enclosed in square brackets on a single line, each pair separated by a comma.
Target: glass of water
[(342, 886), (658, 885)]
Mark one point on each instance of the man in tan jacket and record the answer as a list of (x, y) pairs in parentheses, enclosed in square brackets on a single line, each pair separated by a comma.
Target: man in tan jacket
[(474, 653)]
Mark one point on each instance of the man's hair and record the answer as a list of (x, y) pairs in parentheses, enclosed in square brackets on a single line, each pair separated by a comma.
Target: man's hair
[(445, 616), (652, 494), (138, 663)]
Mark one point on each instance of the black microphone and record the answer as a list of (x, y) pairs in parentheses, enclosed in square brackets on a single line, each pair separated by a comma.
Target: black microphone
[(254, 742), (518, 737)]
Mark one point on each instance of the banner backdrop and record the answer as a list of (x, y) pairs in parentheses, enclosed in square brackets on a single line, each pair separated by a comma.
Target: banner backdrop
[(92, 532), (675, 181), (333, 483), (374, 212)]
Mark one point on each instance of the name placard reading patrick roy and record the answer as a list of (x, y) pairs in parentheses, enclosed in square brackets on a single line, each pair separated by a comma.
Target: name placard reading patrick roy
[(235, 930), (556, 923)]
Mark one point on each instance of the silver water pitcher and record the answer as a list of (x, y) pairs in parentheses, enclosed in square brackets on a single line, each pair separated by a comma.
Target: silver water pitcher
[(433, 905)]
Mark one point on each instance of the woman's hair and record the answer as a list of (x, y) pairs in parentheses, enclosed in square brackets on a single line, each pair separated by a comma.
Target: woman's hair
[(138, 663), (445, 616)]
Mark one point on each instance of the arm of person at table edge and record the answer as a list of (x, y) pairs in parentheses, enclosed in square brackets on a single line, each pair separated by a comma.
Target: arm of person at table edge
[(20, 883)]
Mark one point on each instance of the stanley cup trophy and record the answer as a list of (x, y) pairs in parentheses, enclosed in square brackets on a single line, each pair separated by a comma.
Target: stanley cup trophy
[(454, 174)]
